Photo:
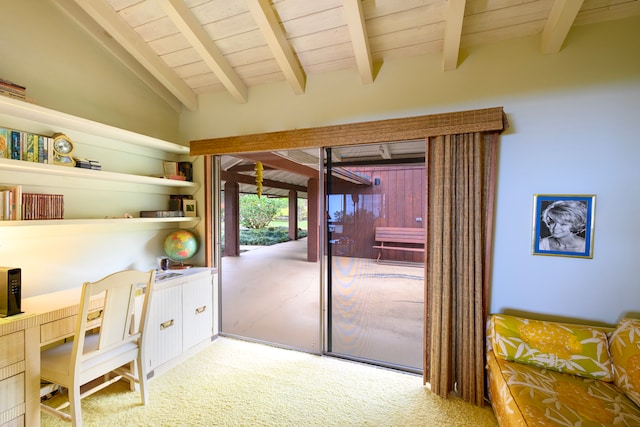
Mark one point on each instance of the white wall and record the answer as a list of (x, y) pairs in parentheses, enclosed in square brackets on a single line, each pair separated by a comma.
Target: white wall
[(574, 129), (66, 70)]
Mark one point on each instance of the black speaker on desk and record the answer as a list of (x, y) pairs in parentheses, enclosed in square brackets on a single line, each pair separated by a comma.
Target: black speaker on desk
[(10, 292)]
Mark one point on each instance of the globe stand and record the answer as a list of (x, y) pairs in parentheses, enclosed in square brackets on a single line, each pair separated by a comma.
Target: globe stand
[(180, 266)]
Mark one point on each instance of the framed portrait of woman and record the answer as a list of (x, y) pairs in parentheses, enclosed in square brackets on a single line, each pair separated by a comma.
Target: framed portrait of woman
[(563, 225)]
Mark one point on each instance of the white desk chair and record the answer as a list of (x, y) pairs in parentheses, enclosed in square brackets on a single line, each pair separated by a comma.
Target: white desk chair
[(119, 342)]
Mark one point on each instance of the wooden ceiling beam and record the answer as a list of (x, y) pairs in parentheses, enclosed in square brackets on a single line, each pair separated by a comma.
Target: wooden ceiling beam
[(281, 163), (251, 180), (563, 14), (248, 168), (269, 25), (354, 16), (107, 18), (452, 34), (193, 31)]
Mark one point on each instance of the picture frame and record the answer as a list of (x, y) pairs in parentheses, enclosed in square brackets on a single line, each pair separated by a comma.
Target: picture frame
[(563, 225), (189, 207)]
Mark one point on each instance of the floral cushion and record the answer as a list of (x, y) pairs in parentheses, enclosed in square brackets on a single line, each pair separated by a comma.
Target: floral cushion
[(574, 349), (625, 352), (525, 395)]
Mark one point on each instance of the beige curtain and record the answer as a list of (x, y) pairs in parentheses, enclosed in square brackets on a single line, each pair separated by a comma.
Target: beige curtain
[(461, 174)]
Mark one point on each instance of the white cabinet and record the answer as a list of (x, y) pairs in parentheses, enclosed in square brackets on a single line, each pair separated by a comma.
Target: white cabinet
[(164, 331), (197, 300), (181, 317)]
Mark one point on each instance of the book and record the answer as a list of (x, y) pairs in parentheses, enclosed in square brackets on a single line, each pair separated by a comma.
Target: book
[(50, 151), (161, 214), (176, 201), (16, 145), (186, 169), (170, 168), (11, 85), (21, 97), (4, 202), (4, 143), (42, 149), (12, 200), (30, 147)]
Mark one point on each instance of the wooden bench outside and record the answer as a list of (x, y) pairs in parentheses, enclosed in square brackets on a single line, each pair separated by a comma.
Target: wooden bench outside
[(397, 236)]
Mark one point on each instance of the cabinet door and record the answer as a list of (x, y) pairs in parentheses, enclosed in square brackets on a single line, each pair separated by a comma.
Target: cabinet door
[(164, 331), (198, 311)]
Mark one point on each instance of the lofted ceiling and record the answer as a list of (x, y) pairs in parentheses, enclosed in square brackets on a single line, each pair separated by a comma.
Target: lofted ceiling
[(183, 48)]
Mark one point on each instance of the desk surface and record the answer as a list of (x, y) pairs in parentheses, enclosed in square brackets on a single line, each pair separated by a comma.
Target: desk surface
[(66, 301)]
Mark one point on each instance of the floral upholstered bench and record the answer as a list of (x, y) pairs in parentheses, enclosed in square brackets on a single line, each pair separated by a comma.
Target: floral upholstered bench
[(543, 373)]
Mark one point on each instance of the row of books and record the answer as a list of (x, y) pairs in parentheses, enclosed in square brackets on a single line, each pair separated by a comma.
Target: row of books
[(16, 205), (14, 90), (18, 145), (179, 205), (42, 206)]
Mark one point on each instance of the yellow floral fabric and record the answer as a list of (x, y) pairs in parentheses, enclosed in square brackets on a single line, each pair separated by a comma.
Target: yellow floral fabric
[(574, 349), (525, 395), (625, 352)]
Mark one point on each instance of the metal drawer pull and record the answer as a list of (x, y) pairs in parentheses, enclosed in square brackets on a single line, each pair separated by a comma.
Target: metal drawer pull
[(167, 324), (93, 315), (200, 310)]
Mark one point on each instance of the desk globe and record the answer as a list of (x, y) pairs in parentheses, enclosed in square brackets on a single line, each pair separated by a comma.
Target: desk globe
[(180, 245)]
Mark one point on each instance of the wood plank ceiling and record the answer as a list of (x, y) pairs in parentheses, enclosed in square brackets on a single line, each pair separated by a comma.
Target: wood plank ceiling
[(183, 48)]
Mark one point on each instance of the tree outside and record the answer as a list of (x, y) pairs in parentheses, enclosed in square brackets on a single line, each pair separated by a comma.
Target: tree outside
[(264, 220)]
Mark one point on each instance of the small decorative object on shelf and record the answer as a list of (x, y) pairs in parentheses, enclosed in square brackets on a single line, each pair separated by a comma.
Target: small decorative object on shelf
[(186, 169), (176, 201), (189, 207), (87, 164), (63, 149), (182, 171)]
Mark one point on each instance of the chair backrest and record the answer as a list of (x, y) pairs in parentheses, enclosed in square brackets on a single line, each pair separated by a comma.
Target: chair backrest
[(119, 323)]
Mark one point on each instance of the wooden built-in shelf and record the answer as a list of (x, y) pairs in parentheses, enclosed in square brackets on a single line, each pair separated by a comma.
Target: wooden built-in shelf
[(30, 173), (30, 114)]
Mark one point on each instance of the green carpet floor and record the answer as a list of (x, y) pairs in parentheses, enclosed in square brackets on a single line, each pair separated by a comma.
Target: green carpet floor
[(236, 383)]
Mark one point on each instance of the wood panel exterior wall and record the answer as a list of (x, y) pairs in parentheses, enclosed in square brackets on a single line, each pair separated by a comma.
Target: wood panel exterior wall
[(397, 201)]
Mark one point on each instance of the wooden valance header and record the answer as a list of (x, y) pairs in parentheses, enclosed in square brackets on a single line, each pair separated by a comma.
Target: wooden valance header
[(380, 131)]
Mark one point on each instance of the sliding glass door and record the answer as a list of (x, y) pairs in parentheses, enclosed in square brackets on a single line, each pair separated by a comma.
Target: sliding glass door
[(270, 272), (327, 288), (375, 296)]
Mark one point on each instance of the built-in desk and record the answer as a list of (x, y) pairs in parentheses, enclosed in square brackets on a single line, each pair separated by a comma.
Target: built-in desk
[(180, 320), (57, 313)]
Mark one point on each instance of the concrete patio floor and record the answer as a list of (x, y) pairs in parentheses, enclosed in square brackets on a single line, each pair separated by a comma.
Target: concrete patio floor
[(273, 294)]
